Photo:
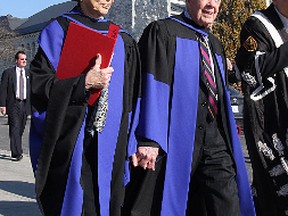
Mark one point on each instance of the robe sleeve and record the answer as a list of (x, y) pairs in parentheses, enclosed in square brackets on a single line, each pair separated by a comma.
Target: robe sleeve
[(157, 59), (58, 109), (254, 41), (156, 56), (133, 66), (51, 97), (133, 69), (44, 80)]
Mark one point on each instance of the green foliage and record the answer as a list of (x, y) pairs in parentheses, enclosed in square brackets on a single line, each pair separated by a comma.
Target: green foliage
[(232, 15)]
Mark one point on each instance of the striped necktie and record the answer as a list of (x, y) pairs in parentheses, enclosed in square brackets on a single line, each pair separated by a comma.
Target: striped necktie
[(21, 85), (209, 74)]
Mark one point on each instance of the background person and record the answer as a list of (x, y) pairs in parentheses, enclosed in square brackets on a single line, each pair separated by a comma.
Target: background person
[(263, 62), (187, 131), (80, 171), (15, 102)]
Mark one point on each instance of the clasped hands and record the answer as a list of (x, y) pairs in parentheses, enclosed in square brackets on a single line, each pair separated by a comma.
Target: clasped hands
[(145, 157), (97, 78)]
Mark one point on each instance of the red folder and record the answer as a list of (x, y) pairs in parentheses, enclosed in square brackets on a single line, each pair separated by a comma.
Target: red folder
[(80, 49)]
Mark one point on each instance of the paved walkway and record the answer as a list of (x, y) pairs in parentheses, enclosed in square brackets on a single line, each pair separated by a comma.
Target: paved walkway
[(17, 197)]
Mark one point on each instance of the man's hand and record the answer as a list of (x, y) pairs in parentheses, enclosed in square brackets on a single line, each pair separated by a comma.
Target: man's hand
[(229, 64), (3, 110), (145, 157), (97, 78)]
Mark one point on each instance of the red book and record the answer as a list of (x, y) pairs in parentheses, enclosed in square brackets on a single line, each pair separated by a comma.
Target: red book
[(80, 49)]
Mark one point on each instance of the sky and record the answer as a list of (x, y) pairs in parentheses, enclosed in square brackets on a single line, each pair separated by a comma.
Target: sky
[(25, 8)]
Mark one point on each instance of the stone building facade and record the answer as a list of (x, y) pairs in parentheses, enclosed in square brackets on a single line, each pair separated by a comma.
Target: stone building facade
[(132, 15)]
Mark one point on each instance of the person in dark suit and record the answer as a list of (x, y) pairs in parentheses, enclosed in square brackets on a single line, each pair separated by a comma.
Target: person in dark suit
[(14, 102)]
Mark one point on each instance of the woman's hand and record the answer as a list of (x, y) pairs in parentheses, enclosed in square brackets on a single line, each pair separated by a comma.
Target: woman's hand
[(97, 78)]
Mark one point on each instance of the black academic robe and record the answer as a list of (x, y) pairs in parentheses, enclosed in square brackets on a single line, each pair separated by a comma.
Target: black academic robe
[(59, 123), (265, 111), (169, 107)]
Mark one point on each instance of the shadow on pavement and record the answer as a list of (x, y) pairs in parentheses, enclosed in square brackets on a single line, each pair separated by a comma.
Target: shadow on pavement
[(12, 208), (21, 188), (6, 157), (3, 120)]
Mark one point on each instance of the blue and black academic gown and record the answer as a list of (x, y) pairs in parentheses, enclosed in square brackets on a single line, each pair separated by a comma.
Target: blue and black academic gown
[(59, 121), (171, 64)]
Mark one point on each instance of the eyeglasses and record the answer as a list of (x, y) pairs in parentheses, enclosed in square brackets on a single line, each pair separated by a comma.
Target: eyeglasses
[(218, 1), (23, 59)]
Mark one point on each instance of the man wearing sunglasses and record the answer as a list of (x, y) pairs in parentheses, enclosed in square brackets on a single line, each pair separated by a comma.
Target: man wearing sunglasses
[(14, 102)]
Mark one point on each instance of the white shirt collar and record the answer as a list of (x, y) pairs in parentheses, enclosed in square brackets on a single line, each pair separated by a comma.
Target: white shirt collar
[(19, 69)]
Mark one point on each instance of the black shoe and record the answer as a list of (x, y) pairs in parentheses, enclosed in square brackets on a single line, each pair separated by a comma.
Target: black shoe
[(18, 158)]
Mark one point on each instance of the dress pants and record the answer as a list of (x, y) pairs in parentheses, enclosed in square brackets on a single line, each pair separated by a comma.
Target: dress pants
[(17, 121), (213, 189)]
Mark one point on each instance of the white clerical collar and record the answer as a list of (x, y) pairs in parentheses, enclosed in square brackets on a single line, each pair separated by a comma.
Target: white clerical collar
[(283, 19)]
